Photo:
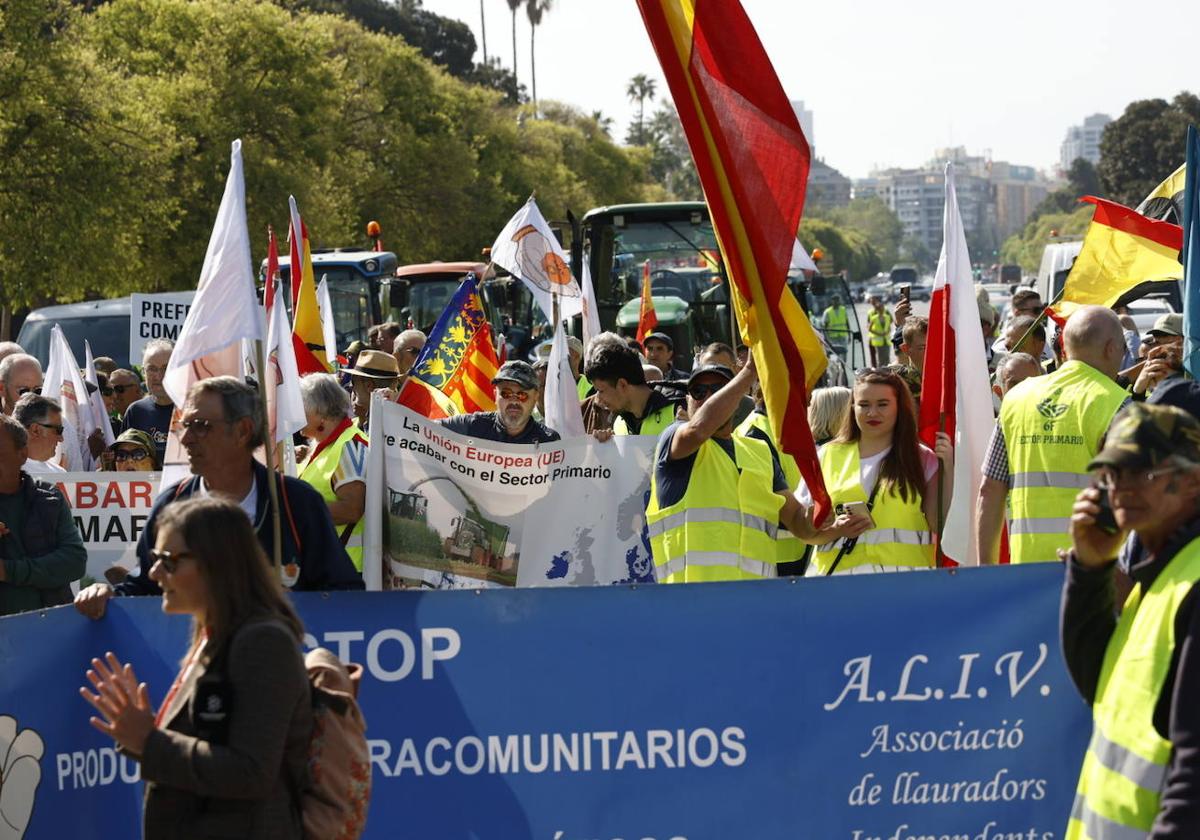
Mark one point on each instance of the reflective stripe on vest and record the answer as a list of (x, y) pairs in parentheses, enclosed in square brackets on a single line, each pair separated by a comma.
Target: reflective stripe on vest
[(1052, 429), (703, 537), (788, 546), (1126, 764), (901, 534), (319, 471)]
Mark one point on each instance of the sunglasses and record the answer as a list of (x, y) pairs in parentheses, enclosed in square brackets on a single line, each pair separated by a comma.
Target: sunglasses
[(200, 428), (23, 391), (519, 396), (700, 391), (130, 454), (121, 389), (57, 428), (170, 562), (106, 392)]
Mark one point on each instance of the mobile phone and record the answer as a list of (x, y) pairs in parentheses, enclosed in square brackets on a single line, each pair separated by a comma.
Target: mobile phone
[(1105, 520), (904, 291), (859, 509)]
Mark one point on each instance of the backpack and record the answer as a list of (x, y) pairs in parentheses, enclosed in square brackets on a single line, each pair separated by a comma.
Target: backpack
[(334, 804)]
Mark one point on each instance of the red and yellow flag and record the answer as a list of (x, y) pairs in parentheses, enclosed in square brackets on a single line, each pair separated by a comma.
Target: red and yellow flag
[(753, 163), (647, 317), (1122, 249), (307, 336)]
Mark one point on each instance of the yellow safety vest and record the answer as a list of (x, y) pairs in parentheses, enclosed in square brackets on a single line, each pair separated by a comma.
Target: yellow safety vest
[(1052, 426), (652, 424), (319, 472), (788, 546), (879, 325), (901, 536), (712, 533), (582, 386), (836, 323), (1125, 767)]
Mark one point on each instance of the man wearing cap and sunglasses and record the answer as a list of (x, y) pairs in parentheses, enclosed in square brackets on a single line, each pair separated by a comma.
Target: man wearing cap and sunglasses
[(512, 422), (717, 500), (1138, 664)]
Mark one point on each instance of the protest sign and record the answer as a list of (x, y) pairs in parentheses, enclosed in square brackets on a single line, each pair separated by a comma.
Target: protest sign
[(110, 509), (866, 707), (461, 512), (155, 316)]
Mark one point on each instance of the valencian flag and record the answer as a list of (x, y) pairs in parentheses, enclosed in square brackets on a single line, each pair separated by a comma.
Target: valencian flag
[(753, 163), (647, 317), (1121, 251), (453, 374), (308, 337)]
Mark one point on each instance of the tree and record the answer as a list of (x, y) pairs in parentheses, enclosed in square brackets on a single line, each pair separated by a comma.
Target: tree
[(1025, 248), (603, 123), (877, 222), (641, 87), (1082, 180), (534, 10), (848, 249), (513, 6), (483, 31), (492, 75), (671, 163), (1144, 145)]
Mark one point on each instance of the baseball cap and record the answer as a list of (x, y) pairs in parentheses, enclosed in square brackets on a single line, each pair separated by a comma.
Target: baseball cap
[(521, 373), (720, 370), (657, 336), (1171, 324), (1144, 436), (134, 437)]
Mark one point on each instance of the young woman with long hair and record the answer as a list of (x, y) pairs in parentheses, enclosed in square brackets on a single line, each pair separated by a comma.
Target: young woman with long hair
[(226, 753), (882, 482)]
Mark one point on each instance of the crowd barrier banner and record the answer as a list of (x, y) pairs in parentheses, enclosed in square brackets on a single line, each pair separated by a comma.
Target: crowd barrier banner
[(463, 513), (111, 509), (875, 707), (155, 316)]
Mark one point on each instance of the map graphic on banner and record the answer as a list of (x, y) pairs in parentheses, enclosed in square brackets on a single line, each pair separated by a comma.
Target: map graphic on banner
[(462, 513)]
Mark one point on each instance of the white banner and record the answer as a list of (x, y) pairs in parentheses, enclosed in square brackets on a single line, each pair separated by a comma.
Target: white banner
[(155, 316), (110, 510), (462, 513)]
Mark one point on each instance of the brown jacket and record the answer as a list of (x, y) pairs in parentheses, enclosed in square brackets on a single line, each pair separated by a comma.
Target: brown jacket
[(245, 787)]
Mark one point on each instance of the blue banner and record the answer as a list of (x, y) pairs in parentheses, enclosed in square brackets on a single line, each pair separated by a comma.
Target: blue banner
[(878, 707)]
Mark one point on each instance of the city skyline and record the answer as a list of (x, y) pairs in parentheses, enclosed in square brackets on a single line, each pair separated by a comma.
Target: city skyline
[(915, 79)]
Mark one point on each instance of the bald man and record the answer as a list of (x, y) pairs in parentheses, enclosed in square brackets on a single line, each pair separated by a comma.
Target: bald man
[(1049, 431), (20, 374)]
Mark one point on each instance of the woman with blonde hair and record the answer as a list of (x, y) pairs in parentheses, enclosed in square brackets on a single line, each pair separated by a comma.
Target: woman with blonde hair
[(226, 753), (827, 411), (882, 482)]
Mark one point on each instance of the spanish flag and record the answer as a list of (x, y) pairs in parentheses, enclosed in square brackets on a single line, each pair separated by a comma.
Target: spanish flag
[(1121, 250), (753, 163), (647, 317), (308, 337), (453, 374)]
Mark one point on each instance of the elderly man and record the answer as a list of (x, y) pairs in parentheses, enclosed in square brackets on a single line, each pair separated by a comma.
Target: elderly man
[(42, 419), (717, 499), (617, 374), (336, 462), (1049, 431), (660, 352), (1137, 664), (222, 426), (40, 548), (1014, 369), (373, 370), (127, 389), (152, 414), (406, 348), (20, 373), (512, 421)]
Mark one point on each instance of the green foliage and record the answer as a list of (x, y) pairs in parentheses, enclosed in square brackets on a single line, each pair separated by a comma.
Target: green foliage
[(116, 128), (1082, 179), (875, 221), (671, 162), (1144, 145), (1025, 248), (848, 249)]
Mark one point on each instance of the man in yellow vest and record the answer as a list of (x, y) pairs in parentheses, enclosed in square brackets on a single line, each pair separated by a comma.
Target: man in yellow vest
[(836, 324), (1140, 672), (337, 458), (716, 500), (879, 326), (789, 548), (615, 371), (1050, 429)]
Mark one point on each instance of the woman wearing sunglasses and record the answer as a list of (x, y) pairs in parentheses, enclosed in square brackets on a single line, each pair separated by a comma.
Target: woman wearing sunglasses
[(132, 451), (228, 745), (882, 483)]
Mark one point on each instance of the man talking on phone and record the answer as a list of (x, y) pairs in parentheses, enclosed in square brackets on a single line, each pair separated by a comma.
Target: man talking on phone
[(1138, 664)]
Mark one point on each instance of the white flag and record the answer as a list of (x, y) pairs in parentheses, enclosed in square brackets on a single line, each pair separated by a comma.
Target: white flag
[(325, 307), (99, 411), (563, 413), (591, 314), (528, 249), (801, 261), (225, 309), (281, 379), (64, 383)]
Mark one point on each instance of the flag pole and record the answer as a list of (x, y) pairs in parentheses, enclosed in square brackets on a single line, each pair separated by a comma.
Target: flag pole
[(268, 452), (941, 499)]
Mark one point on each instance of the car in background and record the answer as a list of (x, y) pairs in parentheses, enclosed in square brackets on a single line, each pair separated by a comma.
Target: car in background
[(104, 324), (920, 291), (999, 294)]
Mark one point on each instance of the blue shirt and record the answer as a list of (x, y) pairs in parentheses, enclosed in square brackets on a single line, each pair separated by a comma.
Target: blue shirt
[(485, 425), (153, 419)]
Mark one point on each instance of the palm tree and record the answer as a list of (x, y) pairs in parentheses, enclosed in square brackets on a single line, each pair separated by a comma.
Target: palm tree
[(641, 87), (535, 9), (604, 123), (513, 5), (483, 31)]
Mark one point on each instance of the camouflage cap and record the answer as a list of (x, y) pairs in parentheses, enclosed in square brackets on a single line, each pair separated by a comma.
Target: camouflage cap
[(1144, 436)]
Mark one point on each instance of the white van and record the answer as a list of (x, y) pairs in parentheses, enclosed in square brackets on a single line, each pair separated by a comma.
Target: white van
[(1057, 260)]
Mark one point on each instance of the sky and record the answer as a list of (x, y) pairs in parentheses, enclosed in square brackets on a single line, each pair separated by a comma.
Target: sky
[(889, 83)]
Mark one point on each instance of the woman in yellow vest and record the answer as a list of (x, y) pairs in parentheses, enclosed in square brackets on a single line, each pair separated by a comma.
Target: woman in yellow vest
[(337, 458), (876, 461)]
